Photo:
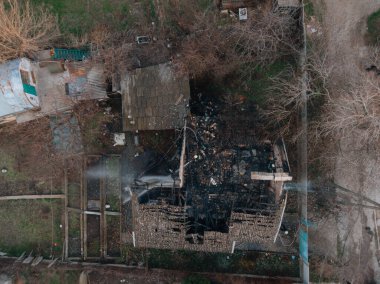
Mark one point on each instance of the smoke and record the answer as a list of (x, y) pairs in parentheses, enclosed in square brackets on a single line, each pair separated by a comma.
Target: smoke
[(99, 172)]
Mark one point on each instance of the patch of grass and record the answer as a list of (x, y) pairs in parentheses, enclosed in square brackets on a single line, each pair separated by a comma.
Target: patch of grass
[(339, 247), (93, 249), (205, 4), (373, 25), (309, 8), (196, 279), (113, 235), (239, 262), (9, 162), (74, 225), (30, 225), (92, 133), (72, 276), (79, 17), (258, 87), (73, 195), (113, 182)]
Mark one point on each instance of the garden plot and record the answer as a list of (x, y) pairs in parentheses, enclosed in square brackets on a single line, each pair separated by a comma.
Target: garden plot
[(113, 183), (74, 242), (74, 172), (93, 236), (31, 225), (113, 236)]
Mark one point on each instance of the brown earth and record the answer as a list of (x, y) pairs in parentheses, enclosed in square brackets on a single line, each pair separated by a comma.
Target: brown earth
[(355, 165)]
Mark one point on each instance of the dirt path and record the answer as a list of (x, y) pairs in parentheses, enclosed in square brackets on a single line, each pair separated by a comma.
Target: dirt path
[(356, 166), (345, 23)]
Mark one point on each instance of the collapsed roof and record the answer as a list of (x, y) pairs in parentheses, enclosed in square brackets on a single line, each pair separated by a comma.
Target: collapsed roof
[(233, 193)]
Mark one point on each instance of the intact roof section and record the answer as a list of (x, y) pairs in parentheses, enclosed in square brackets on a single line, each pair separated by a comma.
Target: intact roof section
[(154, 98)]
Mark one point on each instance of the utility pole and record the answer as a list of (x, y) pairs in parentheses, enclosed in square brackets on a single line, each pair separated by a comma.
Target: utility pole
[(302, 165)]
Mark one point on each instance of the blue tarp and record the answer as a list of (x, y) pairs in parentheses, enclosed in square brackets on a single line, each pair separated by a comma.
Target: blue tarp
[(304, 245)]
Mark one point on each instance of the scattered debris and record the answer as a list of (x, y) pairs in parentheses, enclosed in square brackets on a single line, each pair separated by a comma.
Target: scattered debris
[(243, 14), (119, 139), (21, 257), (52, 262), (37, 261), (143, 39), (29, 259)]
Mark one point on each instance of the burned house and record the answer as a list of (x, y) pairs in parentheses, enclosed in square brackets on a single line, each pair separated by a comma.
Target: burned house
[(232, 195), (154, 98), (215, 212)]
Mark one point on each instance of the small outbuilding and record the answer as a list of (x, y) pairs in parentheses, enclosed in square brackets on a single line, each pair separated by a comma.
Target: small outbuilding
[(17, 89)]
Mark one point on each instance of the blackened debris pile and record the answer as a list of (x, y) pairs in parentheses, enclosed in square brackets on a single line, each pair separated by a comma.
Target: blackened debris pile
[(221, 204)]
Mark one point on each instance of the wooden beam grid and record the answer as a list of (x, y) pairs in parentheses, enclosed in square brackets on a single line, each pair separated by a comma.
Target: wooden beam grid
[(84, 212), (65, 185)]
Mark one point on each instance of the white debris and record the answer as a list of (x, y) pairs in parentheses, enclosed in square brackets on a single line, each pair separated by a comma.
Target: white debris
[(119, 139)]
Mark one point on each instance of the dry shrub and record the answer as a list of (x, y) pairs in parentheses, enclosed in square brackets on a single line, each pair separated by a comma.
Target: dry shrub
[(264, 38), (24, 28), (207, 50), (31, 145), (223, 46), (373, 62), (285, 96), (354, 112), (283, 104), (128, 56)]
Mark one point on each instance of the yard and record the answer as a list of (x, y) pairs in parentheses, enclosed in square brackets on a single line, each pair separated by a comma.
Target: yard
[(28, 225), (79, 17), (33, 167)]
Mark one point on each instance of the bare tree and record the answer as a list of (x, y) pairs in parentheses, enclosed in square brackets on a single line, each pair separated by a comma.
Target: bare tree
[(207, 49), (232, 46), (263, 39), (374, 57), (24, 28), (284, 97), (355, 111)]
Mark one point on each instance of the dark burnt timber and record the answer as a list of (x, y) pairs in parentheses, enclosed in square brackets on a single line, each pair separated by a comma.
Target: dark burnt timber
[(232, 194)]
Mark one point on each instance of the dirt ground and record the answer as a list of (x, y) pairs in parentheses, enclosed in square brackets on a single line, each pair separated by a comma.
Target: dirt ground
[(345, 23), (355, 164)]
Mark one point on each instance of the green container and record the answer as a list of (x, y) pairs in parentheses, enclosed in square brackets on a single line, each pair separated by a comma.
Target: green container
[(69, 54)]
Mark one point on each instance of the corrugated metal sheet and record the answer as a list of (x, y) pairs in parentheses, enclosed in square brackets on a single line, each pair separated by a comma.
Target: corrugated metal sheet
[(87, 85), (288, 3), (96, 82)]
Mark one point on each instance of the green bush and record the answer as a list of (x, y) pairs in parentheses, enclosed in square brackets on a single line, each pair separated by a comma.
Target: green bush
[(196, 279), (373, 26)]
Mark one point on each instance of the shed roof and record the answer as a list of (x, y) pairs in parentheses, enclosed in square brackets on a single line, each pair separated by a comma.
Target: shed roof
[(154, 98), (288, 3), (233, 4)]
